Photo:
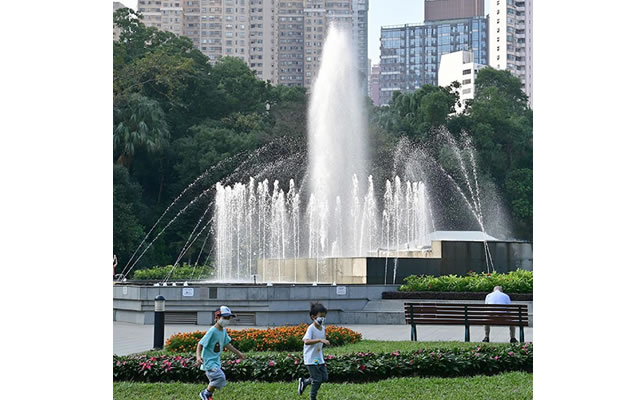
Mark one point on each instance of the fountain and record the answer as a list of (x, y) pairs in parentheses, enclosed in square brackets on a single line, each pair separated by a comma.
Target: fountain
[(336, 226)]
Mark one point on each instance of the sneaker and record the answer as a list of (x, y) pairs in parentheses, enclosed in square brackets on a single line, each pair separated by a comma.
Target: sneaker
[(486, 339), (301, 386), (204, 396), (513, 340)]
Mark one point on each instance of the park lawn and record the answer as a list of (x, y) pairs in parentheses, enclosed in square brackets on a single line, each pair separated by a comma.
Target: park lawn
[(512, 386), (364, 346)]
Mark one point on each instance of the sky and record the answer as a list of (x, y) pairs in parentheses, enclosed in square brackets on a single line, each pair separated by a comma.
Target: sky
[(381, 13)]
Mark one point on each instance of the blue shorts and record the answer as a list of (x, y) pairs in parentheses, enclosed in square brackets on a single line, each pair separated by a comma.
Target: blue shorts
[(216, 378)]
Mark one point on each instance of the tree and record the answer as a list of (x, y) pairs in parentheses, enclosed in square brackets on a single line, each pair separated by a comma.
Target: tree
[(138, 123), (127, 230)]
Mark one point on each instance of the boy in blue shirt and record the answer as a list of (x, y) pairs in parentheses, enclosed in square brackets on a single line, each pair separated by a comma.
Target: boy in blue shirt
[(313, 340), (210, 348)]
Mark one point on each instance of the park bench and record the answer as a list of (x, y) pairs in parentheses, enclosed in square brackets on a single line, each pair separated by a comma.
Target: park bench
[(465, 314)]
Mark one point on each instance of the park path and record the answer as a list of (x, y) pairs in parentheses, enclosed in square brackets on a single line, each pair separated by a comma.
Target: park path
[(133, 338)]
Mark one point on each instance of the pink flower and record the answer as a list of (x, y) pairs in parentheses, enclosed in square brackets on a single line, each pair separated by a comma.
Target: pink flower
[(478, 349), (238, 361), (271, 363), (496, 357), (296, 362), (362, 367), (118, 364), (411, 362), (511, 353)]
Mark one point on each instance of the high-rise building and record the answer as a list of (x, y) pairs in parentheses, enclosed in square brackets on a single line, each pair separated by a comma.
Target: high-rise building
[(452, 9), (459, 66), (116, 31), (374, 84), (410, 54), (511, 40), (280, 39)]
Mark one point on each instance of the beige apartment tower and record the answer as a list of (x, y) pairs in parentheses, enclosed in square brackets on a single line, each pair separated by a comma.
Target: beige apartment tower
[(279, 39), (452, 9)]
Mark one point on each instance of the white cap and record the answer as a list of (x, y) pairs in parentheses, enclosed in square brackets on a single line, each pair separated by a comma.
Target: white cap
[(226, 311)]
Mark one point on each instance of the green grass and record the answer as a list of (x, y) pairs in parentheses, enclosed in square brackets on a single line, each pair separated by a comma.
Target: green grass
[(512, 386), (374, 346)]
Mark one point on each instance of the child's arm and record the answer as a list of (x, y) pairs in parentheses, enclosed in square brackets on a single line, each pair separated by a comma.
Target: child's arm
[(235, 351), (198, 354), (314, 341)]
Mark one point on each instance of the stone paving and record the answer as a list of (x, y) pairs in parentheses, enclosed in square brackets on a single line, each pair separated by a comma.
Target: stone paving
[(133, 338)]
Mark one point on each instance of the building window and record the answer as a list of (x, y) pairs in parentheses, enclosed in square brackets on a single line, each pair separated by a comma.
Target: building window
[(466, 72)]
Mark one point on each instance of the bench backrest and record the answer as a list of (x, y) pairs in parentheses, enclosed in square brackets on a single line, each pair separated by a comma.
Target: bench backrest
[(462, 314)]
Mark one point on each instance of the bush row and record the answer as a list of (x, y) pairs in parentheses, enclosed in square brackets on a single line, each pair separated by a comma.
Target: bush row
[(284, 338), (518, 281), (355, 367), (185, 271), (450, 296)]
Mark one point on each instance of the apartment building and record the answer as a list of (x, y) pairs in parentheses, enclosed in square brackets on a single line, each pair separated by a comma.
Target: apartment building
[(280, 39), (410, 54), (459, 66), (116, 31), (511, 40), (452, 9), (374, 84)]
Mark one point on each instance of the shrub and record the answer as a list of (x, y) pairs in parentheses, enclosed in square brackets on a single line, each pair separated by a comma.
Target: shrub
[(519, 281), (185, 271), (285, 338), (354, 367)]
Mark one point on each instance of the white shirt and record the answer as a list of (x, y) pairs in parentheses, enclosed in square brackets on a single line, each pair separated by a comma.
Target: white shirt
[(313, 352), (497, 297)]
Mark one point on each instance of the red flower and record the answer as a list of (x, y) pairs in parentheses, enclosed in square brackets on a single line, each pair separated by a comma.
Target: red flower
[(362, 367), (271, 363)]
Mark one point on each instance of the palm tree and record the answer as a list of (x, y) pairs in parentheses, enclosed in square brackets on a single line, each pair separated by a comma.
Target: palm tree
[(139, 122)]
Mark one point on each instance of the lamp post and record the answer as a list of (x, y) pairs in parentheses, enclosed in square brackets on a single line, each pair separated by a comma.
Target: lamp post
[(158, 323)]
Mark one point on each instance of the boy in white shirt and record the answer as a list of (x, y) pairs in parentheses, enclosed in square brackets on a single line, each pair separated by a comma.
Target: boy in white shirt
[(313, 340)]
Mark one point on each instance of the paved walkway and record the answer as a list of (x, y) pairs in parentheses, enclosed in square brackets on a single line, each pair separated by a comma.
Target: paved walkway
[(133, 338)]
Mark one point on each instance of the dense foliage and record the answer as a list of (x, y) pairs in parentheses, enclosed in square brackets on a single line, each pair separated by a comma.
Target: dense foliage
[(285, 338), (354, 367), (519, 281), (180, 122), (184, 271)]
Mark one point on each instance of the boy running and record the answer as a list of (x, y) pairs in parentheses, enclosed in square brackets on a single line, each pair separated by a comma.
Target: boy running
[(313, 340), (209, 349)]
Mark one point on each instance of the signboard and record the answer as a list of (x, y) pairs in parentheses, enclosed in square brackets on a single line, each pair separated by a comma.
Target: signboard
[(187, 292), (341, 290)]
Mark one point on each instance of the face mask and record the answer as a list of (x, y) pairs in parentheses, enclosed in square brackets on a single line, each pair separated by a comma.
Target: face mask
[(224, 322), (320, 320)]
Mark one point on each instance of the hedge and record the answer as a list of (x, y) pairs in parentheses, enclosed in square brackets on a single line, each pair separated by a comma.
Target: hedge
[(355, 367), (518, 281), (285, 338), (185, 271)]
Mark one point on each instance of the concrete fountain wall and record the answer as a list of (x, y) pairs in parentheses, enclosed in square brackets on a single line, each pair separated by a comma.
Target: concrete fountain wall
[(259, 305), (442, 258)]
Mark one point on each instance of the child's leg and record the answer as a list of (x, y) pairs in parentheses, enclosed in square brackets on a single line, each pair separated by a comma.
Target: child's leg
[(316, 380)]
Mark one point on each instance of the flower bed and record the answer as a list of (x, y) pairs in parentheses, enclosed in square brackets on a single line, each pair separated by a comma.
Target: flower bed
[(355, 367), (285, 338), (518, 281)]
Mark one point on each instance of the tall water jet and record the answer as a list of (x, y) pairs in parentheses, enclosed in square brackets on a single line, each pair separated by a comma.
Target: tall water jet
[(337, 136)]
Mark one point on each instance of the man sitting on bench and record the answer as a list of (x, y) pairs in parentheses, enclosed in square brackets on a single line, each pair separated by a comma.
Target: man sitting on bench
[(498, 297)]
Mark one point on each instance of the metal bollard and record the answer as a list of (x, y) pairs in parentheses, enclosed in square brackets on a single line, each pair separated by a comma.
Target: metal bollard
[(158, 323)]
